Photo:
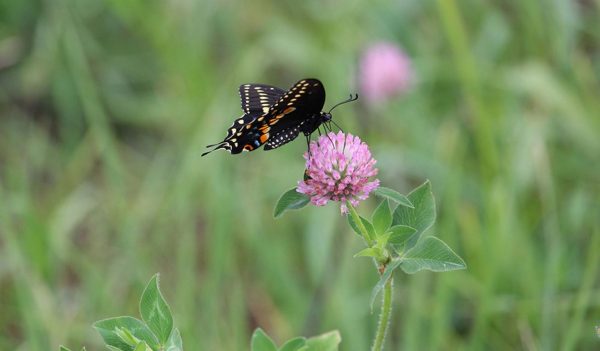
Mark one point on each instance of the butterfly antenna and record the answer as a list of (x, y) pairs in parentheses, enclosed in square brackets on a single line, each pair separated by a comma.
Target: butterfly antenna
[(344, 102)]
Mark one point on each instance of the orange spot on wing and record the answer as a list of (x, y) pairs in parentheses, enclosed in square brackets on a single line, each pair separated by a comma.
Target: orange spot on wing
[(248, 147), (264, 138), (276, 119), (288, 110)]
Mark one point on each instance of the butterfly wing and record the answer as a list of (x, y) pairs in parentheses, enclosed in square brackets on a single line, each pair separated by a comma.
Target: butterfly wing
[(238, 135), (300, 105), (272, 116), (258, 98)]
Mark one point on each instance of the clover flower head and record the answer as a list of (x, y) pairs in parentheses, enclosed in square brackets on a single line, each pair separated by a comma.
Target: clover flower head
[(338, 167), (385, 70)]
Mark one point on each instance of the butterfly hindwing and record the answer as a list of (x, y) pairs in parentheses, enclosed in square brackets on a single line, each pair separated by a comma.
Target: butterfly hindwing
[(258, 98), (237, 134), (238, 124), (282, 135)]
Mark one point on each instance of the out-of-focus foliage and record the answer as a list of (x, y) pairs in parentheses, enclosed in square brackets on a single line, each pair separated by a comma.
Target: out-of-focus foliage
[(105, 107)]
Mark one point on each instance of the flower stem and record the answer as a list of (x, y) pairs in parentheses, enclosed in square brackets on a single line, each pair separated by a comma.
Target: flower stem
[(384, 316)]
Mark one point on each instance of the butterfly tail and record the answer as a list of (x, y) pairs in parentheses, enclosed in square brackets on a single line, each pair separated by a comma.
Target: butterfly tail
[(222, 145)]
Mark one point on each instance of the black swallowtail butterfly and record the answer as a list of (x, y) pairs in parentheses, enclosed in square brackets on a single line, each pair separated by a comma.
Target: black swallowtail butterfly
[(275, 117)]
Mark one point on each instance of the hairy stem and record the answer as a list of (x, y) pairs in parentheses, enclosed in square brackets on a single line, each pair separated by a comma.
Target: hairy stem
[(384, 316)]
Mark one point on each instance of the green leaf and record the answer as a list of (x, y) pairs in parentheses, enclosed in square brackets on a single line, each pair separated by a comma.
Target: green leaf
[(155, 311), (421, 217), (142, 346), (399, 235), (325, 342), (290, 200), (387, 273), (354, 225), (110, 328), (369, 227), (393, 195), (262, 342), (382, 217), (369, 252), (62, 348), (174, 343), (382, 240), (431, 254), (361, 225), (127, 337), (295, 344)]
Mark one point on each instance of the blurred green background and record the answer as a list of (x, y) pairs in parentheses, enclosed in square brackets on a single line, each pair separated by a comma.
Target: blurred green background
[(105, 108)]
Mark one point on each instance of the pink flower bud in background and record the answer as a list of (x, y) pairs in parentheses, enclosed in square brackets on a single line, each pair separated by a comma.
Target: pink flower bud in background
[(385, 70)]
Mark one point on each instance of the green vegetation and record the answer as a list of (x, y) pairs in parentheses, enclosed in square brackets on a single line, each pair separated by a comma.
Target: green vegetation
[(106, 106)]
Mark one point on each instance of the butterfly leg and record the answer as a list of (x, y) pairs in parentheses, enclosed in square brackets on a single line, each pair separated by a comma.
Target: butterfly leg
[(337, 125), (327, 131), (341, 130)]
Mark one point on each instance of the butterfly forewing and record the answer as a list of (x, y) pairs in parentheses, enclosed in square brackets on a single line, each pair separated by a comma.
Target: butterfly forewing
[(300, 105), (258, 98)]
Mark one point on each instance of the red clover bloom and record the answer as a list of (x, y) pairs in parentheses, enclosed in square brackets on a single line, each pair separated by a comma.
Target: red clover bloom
[(338, 169), (385, 70)]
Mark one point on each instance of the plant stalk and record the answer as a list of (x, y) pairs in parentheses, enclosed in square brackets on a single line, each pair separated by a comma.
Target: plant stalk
[(384, 316)]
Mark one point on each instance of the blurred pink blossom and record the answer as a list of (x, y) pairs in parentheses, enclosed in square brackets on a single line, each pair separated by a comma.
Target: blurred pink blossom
[(385, 70), (338, 169)]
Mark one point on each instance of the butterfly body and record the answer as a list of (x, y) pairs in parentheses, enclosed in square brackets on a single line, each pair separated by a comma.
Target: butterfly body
[(274, 117)]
